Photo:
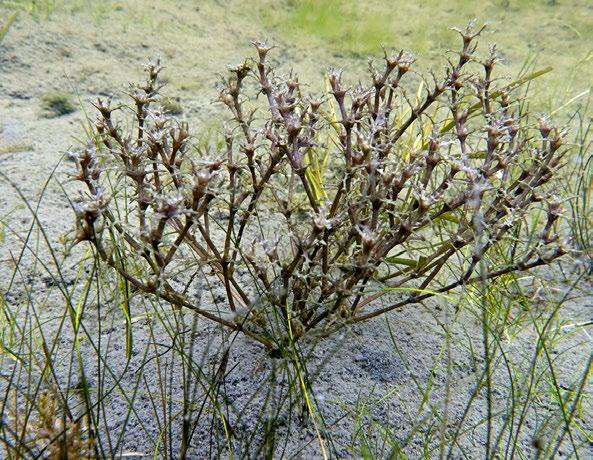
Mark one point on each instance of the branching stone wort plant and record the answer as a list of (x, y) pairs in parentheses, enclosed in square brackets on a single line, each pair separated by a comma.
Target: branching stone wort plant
[(312, 209)]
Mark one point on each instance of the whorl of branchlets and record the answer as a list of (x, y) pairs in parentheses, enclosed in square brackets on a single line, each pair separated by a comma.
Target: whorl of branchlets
[(364, 189)]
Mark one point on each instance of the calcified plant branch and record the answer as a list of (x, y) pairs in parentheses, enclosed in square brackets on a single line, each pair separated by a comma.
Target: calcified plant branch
[(364, 191)]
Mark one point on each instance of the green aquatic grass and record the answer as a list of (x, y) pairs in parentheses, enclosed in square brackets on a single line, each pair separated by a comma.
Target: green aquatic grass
[(540, 401), (203, 391), (582, 184)]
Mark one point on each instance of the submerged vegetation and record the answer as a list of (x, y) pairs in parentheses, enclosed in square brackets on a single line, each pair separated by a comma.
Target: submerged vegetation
[(374, 240), (369, 193)]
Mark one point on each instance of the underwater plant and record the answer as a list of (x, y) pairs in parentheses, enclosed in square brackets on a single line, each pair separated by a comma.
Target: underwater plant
[(313, 209)]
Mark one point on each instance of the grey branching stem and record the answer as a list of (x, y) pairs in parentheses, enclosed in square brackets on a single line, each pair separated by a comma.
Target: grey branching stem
[(312, 209)]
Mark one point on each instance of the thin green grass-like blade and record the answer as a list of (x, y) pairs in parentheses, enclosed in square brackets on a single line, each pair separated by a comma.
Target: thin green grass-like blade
[(575, 98), (448, 216), (4, 28), (401, 261)]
